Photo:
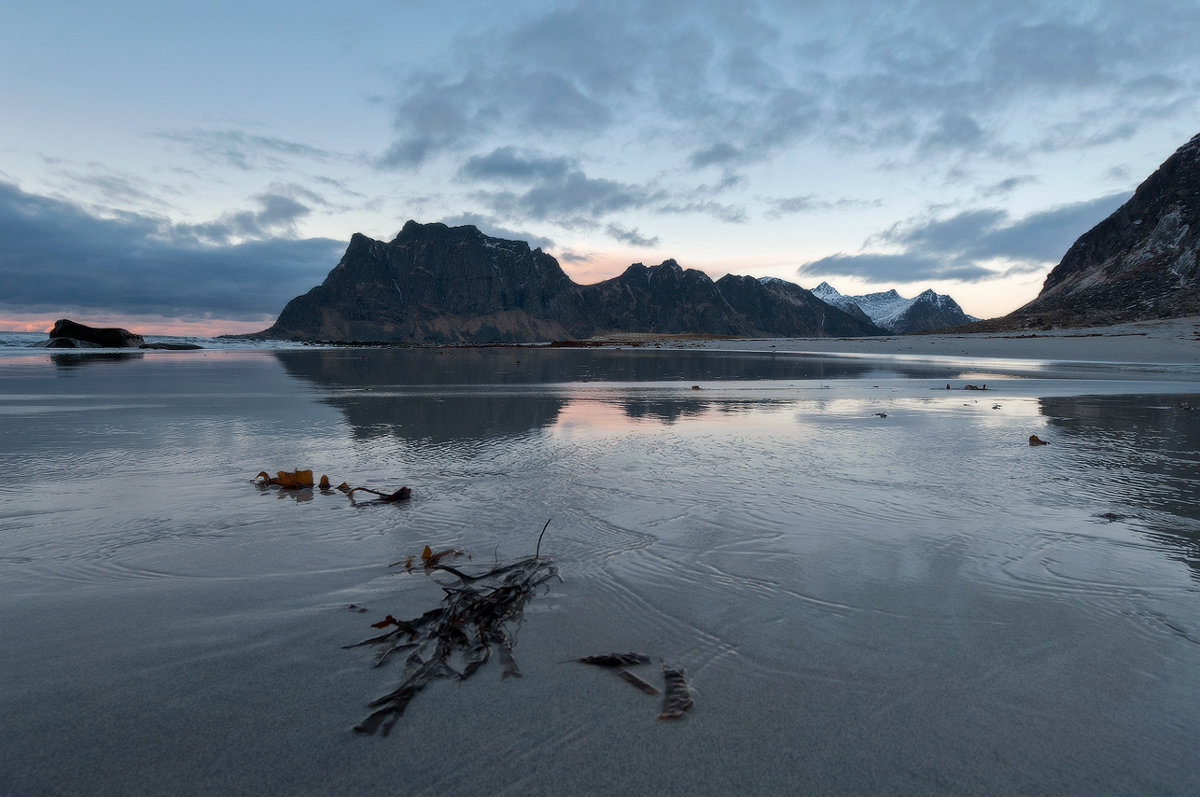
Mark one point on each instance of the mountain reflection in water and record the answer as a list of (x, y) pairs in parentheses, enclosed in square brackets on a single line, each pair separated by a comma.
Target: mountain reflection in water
[(452, 394), (1143, 458)]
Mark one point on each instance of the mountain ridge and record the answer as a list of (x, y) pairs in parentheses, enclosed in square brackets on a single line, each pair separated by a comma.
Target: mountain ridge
[(1141, 263), (438, 284), (889, 310)]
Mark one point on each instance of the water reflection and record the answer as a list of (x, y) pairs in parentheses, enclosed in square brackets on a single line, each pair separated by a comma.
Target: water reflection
[(527, 366), (442, 395), (76, 359), (1144, 454), (455, 394)]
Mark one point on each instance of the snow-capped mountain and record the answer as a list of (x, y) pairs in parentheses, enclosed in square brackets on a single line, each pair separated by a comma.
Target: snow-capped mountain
[(891, 311)]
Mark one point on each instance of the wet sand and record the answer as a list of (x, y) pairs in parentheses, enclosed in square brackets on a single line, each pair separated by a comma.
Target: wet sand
[(874, 584), (1175, 341)]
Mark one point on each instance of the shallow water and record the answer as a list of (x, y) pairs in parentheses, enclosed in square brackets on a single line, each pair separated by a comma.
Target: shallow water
[(917, 603)]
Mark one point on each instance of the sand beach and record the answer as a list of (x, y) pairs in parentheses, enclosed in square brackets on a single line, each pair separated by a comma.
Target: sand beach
[(872, 583)]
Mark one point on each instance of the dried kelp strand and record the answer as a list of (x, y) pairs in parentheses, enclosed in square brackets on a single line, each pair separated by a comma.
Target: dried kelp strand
[(403, 494), (638, 682), (676, 699), (615, 659), (463, 630)]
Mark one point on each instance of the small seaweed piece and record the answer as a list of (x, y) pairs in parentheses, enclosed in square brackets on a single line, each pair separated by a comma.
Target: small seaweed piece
[(638, 682), (297, 479), (403, 494), (615, 659), (676, 699)]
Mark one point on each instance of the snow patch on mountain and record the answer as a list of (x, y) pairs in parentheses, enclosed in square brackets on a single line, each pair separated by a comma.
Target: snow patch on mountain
[(891, 311)]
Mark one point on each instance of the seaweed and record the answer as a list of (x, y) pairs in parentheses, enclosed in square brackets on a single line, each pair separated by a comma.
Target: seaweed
[(293, 482), (676, 699), (618, 662), (403, 494), (474, 617), (626, 675), (615, 659)]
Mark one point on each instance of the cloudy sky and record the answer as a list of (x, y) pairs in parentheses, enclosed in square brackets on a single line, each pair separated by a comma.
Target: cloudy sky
[(191, 166)]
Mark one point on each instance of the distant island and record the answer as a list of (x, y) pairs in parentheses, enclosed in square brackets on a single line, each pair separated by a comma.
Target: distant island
[(440, 284)]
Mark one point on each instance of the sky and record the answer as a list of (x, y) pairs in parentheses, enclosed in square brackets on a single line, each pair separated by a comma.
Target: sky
[(188, 167)]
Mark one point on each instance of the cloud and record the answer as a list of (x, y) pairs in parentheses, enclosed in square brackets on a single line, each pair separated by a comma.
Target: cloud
[(728, 213), (631, 237), (510, 163), (523, 110), (966, 245), (1007, 185), (952, 131), (488, 225), (550, 188), (574, 257), (808, 203), (277, 214), (57, 257), (570, 199), (893, 268), (245, 151), (719, 153)]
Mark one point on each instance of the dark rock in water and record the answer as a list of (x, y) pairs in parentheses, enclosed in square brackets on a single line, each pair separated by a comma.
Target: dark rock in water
[(171, 346), (64, 343), (439, 284), (103, 337)]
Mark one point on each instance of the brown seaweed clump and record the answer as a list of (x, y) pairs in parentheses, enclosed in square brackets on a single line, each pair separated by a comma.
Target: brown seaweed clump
[(457, 638)]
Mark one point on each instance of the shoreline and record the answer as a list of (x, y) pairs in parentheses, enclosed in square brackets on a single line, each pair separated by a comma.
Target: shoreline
[(1169, 342), (1163, 342)]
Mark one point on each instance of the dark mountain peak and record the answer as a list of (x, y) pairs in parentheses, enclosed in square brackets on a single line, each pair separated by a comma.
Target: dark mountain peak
[(1142, 262), (667, 271), (435, 231), (779, 307)]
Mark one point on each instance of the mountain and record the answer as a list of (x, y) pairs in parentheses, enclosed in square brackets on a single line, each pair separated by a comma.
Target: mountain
[(439, 284), (779, 307), (664, 299), (1140, 263), (892, 312)]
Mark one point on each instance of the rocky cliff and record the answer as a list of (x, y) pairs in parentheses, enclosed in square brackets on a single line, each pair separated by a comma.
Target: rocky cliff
[(1140, 263), (439, 284)]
